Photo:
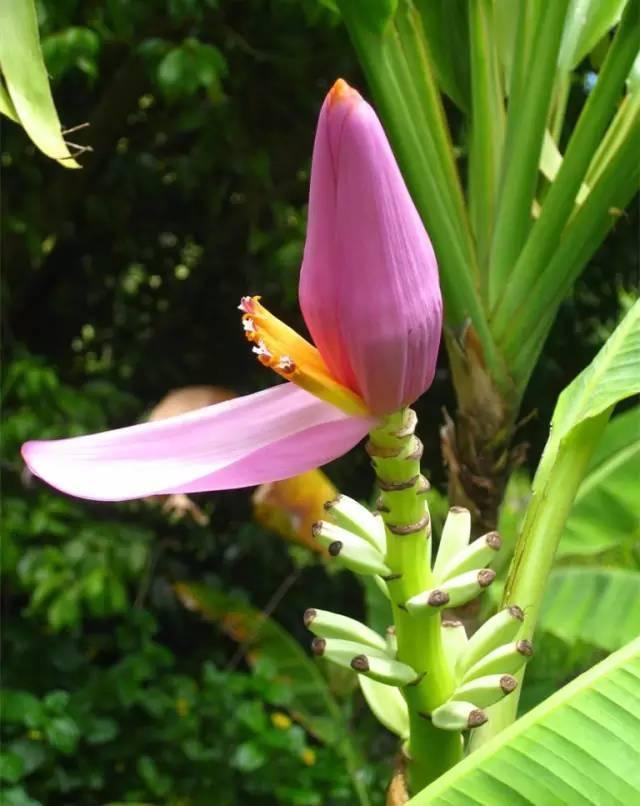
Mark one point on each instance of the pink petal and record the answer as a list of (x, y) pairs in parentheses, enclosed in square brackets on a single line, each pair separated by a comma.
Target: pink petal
[(369, 288), (258, 438)]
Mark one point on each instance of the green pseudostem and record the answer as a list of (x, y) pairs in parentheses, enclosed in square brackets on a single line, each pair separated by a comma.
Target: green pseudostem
[(395, 452)]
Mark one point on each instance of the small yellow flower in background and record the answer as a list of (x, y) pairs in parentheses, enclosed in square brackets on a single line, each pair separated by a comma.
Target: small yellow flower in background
[(35, 735), (280, 720), (182, 706), (308, 757)]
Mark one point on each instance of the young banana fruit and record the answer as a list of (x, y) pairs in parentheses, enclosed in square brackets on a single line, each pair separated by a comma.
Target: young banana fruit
[(455, 591), (351, 550), (495, 632), (354, 517), (365, 660), (325, 624)]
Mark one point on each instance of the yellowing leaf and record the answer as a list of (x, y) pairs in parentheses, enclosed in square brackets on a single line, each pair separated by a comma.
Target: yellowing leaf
[(291, 506)]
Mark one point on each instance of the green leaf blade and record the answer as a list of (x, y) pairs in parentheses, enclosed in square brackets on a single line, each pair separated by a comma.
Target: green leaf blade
[(579, 746), (526, 123), (595, 606), (6, 104), (587, 22), (613, 375), (487, 129), (27, 82), (545, 237), (606, 511), (586, 230), (445, 23)]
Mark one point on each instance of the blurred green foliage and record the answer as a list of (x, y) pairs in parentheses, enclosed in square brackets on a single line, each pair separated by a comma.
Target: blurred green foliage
[(120, 282), (140, 729), (113, 690)]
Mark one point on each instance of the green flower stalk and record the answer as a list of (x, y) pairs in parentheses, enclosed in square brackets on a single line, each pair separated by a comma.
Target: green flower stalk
[(395, 453), (427, 681)]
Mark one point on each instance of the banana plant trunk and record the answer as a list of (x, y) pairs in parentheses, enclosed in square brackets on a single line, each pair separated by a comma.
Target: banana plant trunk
[(478, 442)]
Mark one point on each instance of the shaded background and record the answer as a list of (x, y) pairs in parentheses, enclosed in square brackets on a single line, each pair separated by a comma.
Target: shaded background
[(121, 282)]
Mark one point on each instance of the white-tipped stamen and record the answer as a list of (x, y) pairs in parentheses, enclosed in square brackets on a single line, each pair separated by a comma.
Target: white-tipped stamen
[(261, 349), (286, 364)]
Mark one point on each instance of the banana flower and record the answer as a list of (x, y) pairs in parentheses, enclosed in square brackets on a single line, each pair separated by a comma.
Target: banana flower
[(370, 296)]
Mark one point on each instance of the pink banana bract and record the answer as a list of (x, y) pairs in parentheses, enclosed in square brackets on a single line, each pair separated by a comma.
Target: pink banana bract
[(370, 295)]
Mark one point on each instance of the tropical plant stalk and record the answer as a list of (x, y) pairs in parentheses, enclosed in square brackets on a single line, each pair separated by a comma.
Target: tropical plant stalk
[(580, 417), (554, 490), (395, 452)]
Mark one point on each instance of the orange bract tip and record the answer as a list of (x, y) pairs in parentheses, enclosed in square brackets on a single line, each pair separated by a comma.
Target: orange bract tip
[(341, 91)]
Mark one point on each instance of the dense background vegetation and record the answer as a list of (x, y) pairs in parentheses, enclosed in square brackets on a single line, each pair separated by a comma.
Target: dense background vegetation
[(121, 282)]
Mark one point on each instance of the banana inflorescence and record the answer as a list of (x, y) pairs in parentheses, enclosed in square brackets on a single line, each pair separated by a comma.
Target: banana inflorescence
[(482, 667)]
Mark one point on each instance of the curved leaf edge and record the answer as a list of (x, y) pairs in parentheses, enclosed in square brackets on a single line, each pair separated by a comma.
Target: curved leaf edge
[(560, 698)]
